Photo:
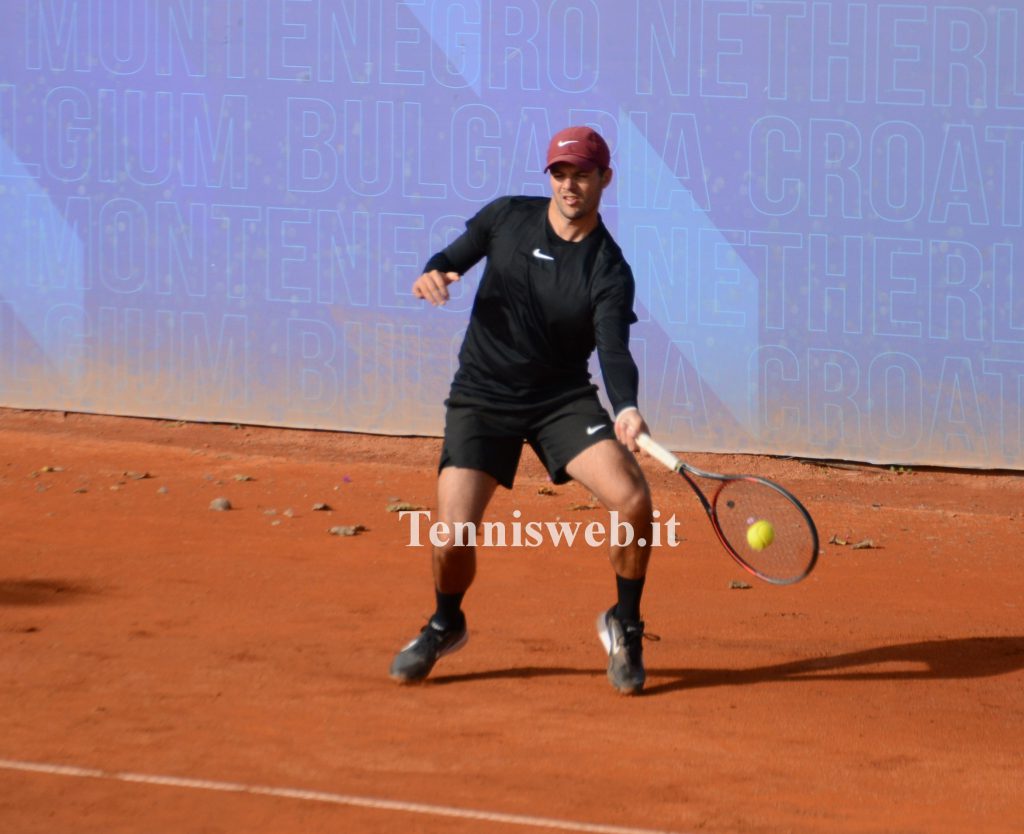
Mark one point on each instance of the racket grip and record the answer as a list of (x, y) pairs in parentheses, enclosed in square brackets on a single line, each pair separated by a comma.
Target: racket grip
[(657, 451)]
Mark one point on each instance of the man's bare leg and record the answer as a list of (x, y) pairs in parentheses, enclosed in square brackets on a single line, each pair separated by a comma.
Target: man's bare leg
[(462, 498), (611, 473)]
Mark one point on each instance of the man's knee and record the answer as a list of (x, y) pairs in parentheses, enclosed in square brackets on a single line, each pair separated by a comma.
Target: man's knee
[(633, 501), (454, 539)]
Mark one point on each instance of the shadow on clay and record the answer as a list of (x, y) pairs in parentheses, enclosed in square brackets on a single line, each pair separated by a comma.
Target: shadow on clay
[(949, 659), (41, 591)]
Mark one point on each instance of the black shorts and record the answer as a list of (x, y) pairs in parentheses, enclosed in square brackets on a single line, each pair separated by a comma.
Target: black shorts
[(491, 440)]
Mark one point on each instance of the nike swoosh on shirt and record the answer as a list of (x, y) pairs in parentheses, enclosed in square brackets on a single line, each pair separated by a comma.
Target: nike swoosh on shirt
[(595, 429), (538, 254)]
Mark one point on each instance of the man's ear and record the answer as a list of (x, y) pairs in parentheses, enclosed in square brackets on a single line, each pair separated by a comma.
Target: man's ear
[(606, 177)]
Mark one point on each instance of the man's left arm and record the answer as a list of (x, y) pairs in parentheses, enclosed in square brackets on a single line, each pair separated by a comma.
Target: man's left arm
[(613, 315)]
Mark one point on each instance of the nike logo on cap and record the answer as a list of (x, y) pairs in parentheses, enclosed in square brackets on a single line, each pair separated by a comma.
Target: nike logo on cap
[(538, 254), (562, 143), (595, 429)]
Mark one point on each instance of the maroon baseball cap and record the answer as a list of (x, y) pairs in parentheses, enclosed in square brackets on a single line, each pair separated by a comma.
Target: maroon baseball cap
[(579, 146)]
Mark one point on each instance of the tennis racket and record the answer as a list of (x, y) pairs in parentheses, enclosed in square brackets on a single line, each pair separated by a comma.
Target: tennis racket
[(763, 526)]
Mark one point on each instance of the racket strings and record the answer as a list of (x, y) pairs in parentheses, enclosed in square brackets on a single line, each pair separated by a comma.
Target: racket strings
[(788, 550)]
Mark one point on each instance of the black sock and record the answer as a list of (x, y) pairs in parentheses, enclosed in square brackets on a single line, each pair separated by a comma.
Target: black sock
[(630, 591), (449, 610)]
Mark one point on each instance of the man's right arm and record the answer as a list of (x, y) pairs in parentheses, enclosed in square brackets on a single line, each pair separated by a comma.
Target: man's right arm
[(446, 267), (458, 257)]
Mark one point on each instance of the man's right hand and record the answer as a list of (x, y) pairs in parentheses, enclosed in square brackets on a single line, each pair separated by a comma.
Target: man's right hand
[(433, 286)]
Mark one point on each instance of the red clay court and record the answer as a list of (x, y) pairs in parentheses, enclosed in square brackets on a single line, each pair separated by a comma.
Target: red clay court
[(165, 668)]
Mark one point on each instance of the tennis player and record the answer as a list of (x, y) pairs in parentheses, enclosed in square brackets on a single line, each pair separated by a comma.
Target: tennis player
[(555, 287)]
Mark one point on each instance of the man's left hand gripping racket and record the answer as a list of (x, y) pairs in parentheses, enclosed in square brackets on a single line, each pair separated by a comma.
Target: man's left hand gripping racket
[(763, 526)]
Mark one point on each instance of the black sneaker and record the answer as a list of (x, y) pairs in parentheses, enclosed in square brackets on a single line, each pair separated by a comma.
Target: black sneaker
[(414, 662), (623, 640)]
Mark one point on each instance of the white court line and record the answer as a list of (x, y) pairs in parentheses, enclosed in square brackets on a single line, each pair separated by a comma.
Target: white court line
[(320, 796)]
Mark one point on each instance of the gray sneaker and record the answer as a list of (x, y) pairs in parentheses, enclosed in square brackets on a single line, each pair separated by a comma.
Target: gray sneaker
[(414, 662), (623, 641)]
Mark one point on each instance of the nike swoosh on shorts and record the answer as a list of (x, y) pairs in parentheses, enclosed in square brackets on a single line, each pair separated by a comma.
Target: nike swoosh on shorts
[(595, 429)]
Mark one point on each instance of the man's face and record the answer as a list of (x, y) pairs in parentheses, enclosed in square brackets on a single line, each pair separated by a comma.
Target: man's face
[(576, 192)]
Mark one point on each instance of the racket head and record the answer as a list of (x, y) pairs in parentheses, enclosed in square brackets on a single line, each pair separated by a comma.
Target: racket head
[(741, 501)]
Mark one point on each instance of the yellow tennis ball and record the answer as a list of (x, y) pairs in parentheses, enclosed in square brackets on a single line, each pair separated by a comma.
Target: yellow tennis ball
[(760, 534)]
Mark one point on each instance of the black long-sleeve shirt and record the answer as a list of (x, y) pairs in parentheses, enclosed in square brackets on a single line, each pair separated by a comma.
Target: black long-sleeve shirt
[(542, 307)]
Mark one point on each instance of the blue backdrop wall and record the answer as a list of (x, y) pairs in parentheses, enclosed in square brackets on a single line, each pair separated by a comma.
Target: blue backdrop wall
[(214, 209)]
